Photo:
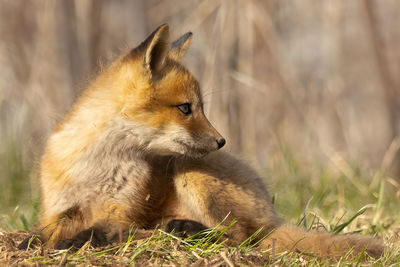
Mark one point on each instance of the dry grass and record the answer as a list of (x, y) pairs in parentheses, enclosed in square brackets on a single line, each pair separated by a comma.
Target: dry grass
[(160, 249), (166, 250)]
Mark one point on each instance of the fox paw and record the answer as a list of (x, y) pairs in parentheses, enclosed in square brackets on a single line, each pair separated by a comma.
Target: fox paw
[(184, 228), (96, 237), (27, 242)]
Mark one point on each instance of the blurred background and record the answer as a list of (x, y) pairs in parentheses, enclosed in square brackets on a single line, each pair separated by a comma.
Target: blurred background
[(311, 83)]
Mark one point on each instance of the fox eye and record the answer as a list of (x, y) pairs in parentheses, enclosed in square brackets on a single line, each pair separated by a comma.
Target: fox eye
[(185, 109)]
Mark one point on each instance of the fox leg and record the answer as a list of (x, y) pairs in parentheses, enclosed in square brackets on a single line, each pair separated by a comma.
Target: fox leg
[(57, 227), (62, 226), (78, 234), (102, 223), (202, 197), (101, 235)]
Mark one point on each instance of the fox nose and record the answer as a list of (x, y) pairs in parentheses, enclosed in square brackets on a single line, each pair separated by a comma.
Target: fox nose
[(221, 142)]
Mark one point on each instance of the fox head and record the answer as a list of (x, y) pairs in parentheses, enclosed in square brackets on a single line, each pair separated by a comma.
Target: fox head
[(162, 100)]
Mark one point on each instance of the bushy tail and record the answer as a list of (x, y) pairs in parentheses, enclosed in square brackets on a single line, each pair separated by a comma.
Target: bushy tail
[(319, 244)]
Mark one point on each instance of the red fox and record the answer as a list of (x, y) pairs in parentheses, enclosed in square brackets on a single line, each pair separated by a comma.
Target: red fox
[(137, 149)]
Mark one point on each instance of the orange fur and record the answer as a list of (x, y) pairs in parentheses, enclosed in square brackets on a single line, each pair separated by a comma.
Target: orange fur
[(137, 149), (291, 238)]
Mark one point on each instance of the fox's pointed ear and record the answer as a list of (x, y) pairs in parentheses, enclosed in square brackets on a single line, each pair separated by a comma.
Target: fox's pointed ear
[(157, 49), (179, 46), (153, 51)]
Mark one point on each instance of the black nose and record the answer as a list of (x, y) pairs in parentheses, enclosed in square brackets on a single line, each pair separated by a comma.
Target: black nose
[(221, 142)]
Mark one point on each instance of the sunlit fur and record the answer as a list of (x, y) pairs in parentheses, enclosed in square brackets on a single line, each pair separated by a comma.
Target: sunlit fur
[(126, 155), (159, 125)]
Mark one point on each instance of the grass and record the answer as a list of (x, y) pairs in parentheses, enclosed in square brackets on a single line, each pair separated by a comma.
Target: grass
[(340, 197), (19, 204)]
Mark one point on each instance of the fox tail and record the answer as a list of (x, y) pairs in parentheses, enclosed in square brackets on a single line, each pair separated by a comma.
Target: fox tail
[(319, 244)]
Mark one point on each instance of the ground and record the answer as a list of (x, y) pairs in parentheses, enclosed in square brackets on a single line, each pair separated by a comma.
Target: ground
[(167, 250)]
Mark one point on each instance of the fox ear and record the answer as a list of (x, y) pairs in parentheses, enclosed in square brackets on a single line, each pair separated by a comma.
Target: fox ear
[(153, 51), (179, 46), (157, 49)]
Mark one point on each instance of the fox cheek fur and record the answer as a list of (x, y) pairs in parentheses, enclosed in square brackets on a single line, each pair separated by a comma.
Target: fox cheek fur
[(172, 138)]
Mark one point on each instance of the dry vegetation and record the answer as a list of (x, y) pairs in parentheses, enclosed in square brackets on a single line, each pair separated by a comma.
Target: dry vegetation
[(308, 91)]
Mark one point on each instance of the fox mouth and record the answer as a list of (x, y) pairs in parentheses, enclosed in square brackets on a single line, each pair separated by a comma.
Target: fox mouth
[(193, 150)]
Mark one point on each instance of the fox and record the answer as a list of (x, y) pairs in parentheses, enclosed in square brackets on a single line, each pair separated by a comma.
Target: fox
[(137, 149)]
